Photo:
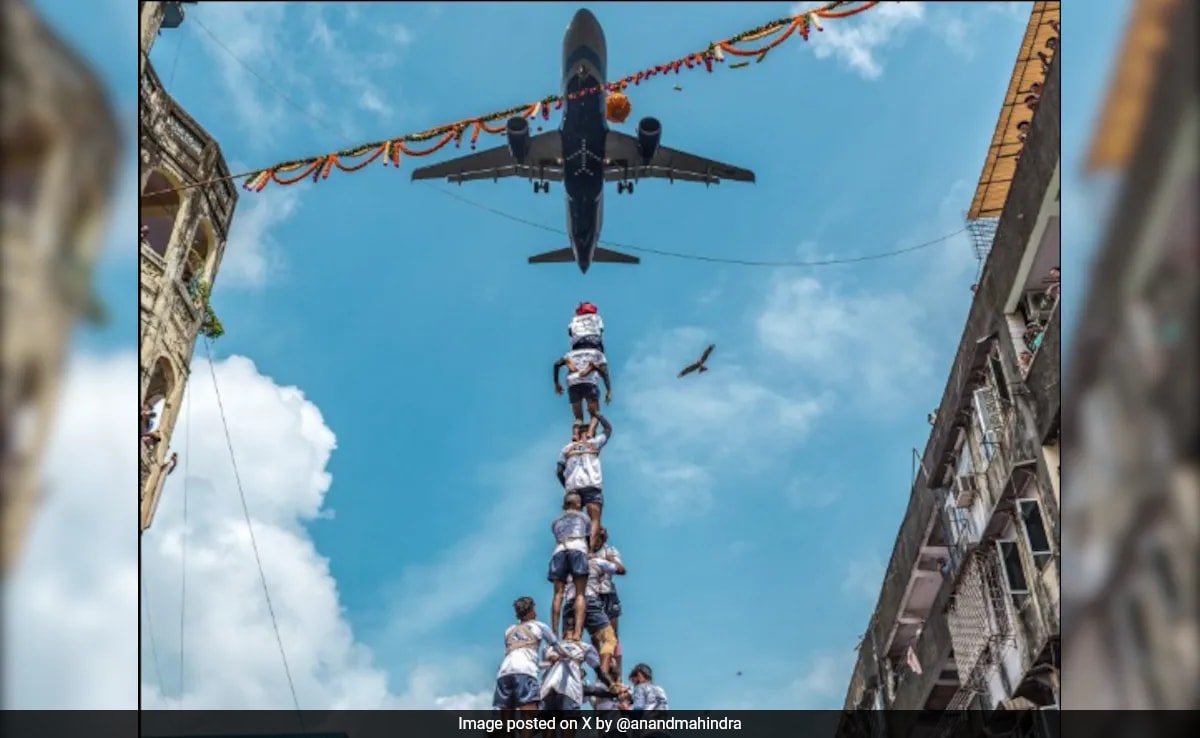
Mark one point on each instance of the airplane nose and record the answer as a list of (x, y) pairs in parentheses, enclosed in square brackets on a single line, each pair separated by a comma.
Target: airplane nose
[(583, 19)]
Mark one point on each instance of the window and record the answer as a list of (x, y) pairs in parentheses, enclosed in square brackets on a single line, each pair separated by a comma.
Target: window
[(1010, 560), (965, 466), (986, 410), (1034, 526)]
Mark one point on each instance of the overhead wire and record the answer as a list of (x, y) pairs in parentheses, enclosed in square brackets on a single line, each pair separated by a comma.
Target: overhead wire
[(261, 78), (700, 257), (250, 529), (150, 632)]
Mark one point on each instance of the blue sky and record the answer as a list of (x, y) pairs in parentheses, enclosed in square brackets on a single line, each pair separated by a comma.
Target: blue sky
[(755, 506)]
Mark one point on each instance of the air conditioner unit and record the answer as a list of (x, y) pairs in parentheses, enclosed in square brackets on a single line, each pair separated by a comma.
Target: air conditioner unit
[(966, 488)]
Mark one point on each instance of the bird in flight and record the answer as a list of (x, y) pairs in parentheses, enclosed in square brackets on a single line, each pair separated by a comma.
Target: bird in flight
[(699, 365)]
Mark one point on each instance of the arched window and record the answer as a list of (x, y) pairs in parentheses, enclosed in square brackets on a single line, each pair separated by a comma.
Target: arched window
[(195, 264), (157, 211), (154, 405)]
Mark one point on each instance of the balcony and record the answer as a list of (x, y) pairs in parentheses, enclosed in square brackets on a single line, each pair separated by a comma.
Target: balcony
[(1044, 377)]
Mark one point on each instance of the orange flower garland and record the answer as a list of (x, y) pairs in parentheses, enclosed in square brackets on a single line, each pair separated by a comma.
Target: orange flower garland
[(617, 105)]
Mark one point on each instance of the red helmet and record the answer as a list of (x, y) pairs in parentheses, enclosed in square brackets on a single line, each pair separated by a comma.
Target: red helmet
[(585, 308)]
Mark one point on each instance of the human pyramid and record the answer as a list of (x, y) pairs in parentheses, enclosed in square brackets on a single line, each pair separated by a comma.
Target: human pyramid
[(542, 671)]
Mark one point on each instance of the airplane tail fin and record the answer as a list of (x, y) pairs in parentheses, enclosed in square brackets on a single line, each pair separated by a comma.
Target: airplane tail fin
[(614, 257), (559, 256)]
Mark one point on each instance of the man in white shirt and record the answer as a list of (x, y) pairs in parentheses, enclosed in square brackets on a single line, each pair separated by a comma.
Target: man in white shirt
[(562, 686), (579, 471), (610, 601), (517, 686), (569, 562), (585, 368), (595, 620), (586, 329)]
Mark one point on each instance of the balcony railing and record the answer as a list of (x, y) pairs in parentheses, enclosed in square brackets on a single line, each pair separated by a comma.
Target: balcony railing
[(1044, 375)]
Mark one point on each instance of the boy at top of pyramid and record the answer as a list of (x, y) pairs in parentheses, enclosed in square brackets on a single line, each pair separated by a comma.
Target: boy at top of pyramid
[(586, 329)]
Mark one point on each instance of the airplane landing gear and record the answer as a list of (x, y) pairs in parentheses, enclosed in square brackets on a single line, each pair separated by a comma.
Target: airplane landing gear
[(541, 186), (624, 187)]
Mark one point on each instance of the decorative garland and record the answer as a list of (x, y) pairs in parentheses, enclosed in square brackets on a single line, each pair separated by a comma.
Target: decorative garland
[(618, 106)]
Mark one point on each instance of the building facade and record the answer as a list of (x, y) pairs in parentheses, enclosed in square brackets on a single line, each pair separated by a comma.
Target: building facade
[(183, 231), (1132, 604), (966, 629), (59, 143)]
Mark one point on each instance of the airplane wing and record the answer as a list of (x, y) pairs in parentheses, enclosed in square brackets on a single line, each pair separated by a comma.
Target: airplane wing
[(624, 163), (544, 162)]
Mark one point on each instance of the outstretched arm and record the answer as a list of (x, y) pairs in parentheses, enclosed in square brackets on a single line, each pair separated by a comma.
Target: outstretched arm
[(607, 426), (558, 365)]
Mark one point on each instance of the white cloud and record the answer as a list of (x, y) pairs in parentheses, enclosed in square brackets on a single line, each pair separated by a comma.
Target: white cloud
[(869, 344), (683, 433), (252, 254), (812, 495), (858, 41), (68, 641), (400, 34), (371, 102), (864, 577), (430, 595), (821, 686), (262, 37)]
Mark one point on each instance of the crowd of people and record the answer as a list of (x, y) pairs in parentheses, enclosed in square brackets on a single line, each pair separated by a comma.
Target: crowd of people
[(544, 667)]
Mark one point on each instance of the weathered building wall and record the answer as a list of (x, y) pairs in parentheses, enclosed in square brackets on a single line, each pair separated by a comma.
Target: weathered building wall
[(184, 228)]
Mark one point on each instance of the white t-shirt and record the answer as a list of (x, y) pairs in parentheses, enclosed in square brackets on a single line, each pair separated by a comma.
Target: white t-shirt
[(606, 584), (571, 531), (597, 569), (583, 326), (650, 697), (581, 462), (525, 660), (565, 675), (582, 358)]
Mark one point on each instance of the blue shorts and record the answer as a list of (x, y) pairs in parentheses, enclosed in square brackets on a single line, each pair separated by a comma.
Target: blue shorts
[(594, 617), (565, 565), (558, 702), (515, 690), (590, 495), (611, 602), (588, 342), (583, 391)]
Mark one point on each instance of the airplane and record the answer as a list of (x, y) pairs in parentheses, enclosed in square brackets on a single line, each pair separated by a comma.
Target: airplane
[(583, 153)]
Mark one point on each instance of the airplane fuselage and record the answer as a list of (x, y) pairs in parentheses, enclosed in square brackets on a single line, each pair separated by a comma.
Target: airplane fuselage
[(584, 131)]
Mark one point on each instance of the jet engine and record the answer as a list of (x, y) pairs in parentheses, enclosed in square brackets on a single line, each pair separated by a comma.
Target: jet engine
[(517, 130), (649, 132)]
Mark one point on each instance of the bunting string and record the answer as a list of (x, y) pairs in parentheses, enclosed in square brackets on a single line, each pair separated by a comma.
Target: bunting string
[(392, 151)]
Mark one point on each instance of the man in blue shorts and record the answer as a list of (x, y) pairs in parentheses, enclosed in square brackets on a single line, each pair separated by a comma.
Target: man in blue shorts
[(595, 620), (610, 601), (585, 368), (517, 684), (569, 562), (579, 471)]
